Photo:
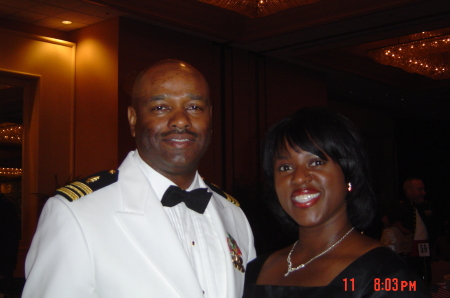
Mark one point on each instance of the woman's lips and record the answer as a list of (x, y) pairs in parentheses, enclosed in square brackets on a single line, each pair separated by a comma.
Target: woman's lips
[(305, 198)]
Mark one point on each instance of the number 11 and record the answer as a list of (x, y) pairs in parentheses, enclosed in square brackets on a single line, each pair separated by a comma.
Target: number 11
[(352, 281)]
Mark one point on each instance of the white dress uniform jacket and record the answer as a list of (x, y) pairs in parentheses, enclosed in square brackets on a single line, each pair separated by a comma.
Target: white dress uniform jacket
[(119, 242)]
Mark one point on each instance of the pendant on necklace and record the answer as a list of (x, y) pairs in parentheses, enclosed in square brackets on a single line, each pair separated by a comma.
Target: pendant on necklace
[(289, 262)]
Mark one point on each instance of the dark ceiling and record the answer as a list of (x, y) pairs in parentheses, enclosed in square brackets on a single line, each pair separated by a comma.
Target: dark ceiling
[(332, 36)]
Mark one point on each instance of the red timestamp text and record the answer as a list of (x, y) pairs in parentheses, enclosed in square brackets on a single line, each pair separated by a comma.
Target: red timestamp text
[(394, 284), (349, 284), (386, 284)]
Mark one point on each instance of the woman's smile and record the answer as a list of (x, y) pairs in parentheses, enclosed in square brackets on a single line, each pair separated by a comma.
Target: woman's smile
[(305, 198)]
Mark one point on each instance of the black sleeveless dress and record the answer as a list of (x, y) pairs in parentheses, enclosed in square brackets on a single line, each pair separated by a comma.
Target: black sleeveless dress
[(377, 273)]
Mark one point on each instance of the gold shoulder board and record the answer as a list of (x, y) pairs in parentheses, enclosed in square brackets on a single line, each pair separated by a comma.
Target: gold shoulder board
[(216, 189), (85, 186)]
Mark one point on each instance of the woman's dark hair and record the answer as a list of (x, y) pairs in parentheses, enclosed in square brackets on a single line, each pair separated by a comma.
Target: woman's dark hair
[(322, 131)]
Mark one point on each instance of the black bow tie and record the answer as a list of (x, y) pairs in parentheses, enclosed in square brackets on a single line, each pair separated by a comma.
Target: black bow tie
[(196, 200)]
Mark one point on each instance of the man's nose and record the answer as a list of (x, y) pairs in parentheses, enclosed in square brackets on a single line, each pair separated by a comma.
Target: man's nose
[(180, 119)]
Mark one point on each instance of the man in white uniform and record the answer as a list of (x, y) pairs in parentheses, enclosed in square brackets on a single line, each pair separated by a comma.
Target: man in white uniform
[(153, 228)]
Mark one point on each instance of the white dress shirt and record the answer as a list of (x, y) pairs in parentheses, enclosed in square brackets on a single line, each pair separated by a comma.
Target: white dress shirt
[(196, 233), (421, 230)]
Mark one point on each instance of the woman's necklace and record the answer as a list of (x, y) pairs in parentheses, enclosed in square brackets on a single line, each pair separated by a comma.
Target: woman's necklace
[(290, 269)]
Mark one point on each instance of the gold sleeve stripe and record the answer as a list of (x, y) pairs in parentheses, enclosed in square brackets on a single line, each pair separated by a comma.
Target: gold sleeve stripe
[(83, 187), (73, 196), (73, 188)]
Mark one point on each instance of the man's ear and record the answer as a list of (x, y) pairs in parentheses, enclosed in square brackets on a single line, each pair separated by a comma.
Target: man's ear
[(132, 120)]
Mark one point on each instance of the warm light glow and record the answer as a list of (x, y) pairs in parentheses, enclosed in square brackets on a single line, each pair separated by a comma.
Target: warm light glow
[(258, 8), (10, 172), (67, 22), (56, 41), (11, 133), (426, 53)]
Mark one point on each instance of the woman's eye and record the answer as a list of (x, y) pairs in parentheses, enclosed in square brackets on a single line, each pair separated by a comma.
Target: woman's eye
[(284, 168), (317, 162)]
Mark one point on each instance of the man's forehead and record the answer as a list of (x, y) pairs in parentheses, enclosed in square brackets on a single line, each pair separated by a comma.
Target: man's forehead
[(170, 67), (152, 81)]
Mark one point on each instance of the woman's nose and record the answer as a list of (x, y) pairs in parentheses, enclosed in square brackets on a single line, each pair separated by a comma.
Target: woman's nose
[(301, 176)]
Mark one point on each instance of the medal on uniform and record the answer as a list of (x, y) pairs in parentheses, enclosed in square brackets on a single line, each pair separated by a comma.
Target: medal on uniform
[(235, 254)]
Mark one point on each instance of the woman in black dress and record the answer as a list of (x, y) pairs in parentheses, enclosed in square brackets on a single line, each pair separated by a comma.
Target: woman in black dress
[(315, 166)]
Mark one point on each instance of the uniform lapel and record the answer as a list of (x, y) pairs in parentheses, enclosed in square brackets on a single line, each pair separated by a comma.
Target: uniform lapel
[(147, 225), (222, 218)]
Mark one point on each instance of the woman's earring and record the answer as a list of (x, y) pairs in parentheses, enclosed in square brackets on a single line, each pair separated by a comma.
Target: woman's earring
[(349, 188)]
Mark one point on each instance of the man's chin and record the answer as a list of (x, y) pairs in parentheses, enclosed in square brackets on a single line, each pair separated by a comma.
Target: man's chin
[(182, 163)]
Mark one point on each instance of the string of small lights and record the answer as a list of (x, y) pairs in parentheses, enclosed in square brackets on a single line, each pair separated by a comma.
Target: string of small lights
[(426, 53), (11, 134), (10, 172)]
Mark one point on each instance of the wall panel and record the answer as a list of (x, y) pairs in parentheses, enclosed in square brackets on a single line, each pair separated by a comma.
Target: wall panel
[(96, 142), (49, 67)]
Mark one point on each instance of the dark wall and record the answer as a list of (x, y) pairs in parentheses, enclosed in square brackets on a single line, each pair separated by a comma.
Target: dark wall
[(377, 131), (422, 151)]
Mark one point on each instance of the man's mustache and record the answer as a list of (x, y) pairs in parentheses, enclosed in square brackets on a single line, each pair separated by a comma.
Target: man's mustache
[(178, 131)]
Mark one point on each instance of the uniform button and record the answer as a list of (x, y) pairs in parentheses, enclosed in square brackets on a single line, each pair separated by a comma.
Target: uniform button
[(193, 243)]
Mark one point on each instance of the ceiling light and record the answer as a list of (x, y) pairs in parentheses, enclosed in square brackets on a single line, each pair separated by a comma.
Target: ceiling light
[(425, 53), (67, 22), (258, 8)]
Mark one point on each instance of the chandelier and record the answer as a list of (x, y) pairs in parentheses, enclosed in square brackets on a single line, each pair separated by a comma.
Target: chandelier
[(426, 53), (258, 8)]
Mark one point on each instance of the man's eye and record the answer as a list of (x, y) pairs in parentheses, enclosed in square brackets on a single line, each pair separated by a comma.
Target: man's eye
[(196, 108), (159, 108), (284, 168)]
